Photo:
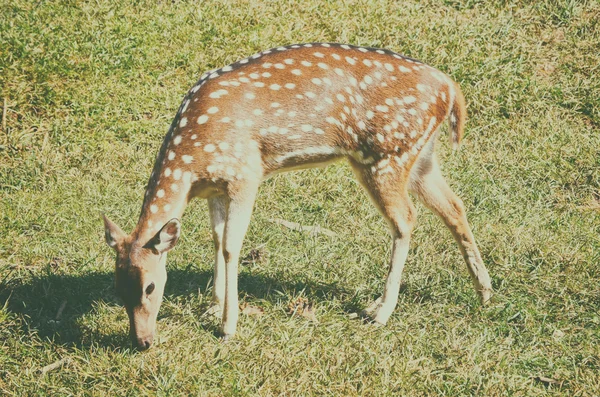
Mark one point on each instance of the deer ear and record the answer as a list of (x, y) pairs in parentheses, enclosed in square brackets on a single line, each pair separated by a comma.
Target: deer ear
[(112, 233), (166, 238)]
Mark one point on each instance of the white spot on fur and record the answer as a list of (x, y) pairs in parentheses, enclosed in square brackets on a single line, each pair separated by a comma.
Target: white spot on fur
[(218, 93), (177, 174), (185, 105)]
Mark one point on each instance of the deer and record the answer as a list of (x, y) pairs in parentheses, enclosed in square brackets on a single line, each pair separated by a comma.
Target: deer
[(288, 108)]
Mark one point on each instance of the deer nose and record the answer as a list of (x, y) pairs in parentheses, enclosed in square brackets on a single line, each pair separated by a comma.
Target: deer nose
[(144, 343)]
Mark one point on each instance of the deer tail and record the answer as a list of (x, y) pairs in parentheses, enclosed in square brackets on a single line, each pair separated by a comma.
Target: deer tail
[(457, 116)]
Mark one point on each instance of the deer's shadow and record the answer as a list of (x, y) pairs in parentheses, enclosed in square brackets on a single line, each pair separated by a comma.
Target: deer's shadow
[(53, 306)]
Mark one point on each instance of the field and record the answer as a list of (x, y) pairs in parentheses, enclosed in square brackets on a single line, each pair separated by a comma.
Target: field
[(88, 90)]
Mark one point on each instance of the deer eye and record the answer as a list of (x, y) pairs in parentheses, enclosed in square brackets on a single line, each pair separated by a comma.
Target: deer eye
[(149, 288)]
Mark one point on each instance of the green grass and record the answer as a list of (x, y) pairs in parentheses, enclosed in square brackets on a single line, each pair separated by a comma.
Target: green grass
[(90, 89)]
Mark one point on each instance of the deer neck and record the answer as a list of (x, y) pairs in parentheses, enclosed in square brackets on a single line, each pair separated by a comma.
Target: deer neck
[(166, 196)]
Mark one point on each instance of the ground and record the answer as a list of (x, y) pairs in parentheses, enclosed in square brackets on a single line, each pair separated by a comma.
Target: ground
[(88, 90)]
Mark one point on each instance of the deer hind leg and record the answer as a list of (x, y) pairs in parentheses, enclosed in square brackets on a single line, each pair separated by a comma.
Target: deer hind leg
[(217, 210), (237, 220), (389, 194), (428, 184)]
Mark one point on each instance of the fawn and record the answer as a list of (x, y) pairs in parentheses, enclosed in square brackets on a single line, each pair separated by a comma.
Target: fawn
[(289, 108)]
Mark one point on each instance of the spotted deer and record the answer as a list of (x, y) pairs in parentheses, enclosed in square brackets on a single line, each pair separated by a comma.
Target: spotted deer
[(290, 108)]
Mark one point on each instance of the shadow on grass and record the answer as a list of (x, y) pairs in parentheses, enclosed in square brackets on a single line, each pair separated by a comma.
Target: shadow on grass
[(52, 306)]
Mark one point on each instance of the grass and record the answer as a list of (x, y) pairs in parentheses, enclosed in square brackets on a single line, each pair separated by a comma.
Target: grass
[(89, 89)]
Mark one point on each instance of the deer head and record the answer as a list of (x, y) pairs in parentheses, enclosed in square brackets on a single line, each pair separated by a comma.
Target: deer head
[(140, 276)]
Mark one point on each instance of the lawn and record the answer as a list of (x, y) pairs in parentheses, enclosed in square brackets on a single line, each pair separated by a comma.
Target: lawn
[(88, 90)]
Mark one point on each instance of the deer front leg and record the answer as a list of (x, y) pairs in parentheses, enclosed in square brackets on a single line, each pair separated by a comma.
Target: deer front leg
[(217, 209), (239, 212)]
